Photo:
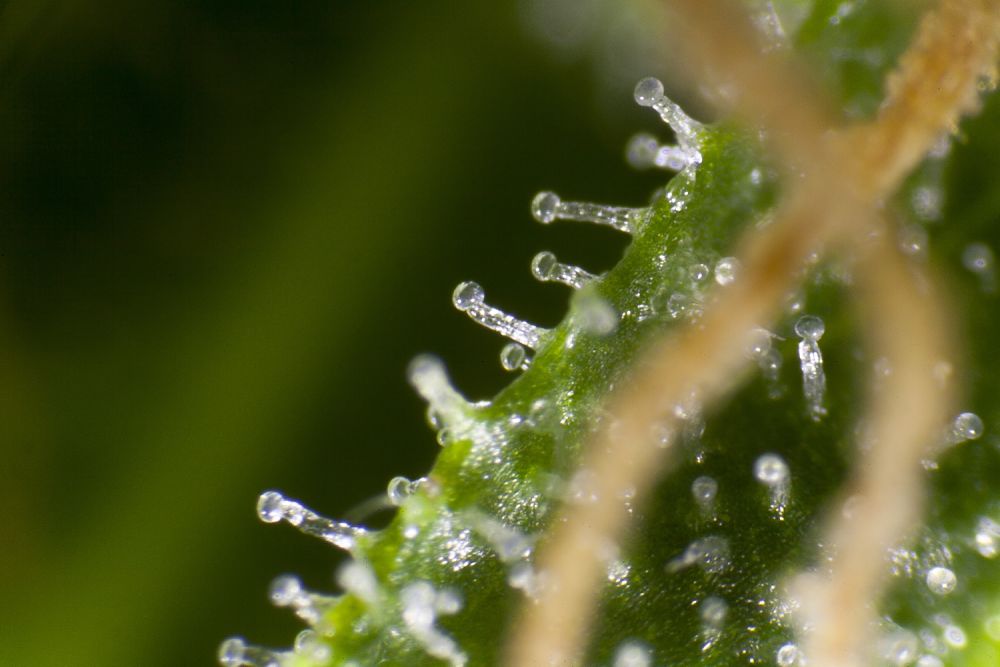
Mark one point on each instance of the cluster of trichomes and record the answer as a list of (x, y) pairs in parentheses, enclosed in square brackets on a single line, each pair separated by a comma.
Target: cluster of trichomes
[(699, 579)]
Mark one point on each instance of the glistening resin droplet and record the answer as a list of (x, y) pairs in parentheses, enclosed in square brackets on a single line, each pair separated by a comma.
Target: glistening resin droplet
[(309, 646), (544, 206), (771, 469), (235, 652), (594, 314), (468, 298), (727, 270), (954, 636), (546, 268), (704, 490), (547, 206), (357, 578), (987, 539), (467, 295), (632, 654), (269, 507), (941, 580), (398, 490), (272, 507), (512, 356), (644, 151), (285, 590), (641, 150), (810, 327), (789, 655), (543, 265), (445, 406), (713, 611), (977, 257), (967, 426), (698, 272), (232, 652), (648, 91)]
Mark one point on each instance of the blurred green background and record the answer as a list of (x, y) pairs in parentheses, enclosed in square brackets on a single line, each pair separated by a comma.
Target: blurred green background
[(226, 228)]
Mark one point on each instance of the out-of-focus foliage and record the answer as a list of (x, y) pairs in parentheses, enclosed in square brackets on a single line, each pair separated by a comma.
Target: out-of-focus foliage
[(226, 228)]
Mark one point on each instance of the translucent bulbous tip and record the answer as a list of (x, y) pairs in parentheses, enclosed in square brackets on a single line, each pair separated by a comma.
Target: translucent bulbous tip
[(309, 645), (641, 151), (285, 590), (512, 356), (423, 367), (543, 265), (467, 295), (232, 652), (704, 489), (269, 507), (771, 469), (648, 91), (544, 207), (810, 327), (398, 490), (967, 426), (941, 580)]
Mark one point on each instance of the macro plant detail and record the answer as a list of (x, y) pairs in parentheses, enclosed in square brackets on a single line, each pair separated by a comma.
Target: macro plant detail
[(794, 431)]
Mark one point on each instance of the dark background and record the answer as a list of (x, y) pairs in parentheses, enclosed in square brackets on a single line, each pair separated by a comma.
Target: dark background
[(225, 228)]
